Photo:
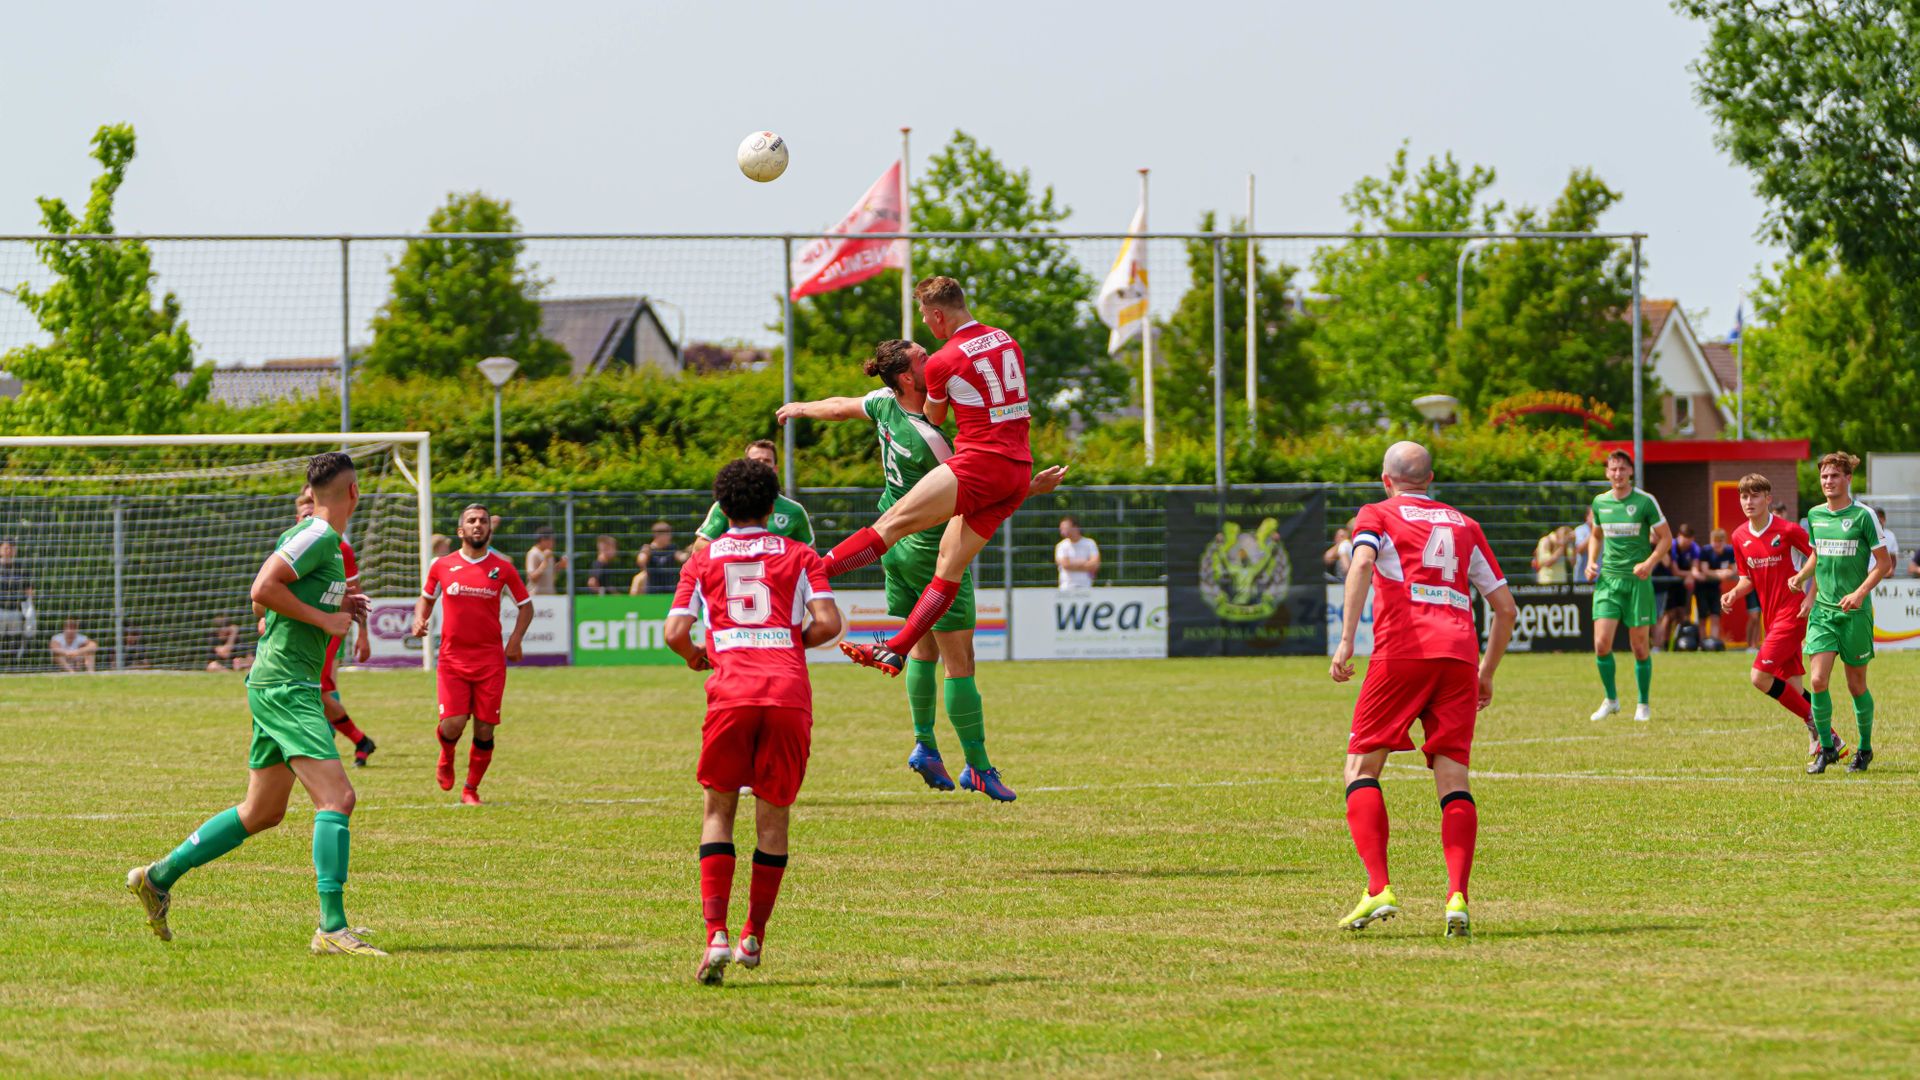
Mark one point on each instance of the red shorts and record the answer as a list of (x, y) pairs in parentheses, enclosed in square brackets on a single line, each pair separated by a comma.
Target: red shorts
[(475, 695), (1444, 695), (1779, 654), (763, 747), (992, 487), (326, 673)]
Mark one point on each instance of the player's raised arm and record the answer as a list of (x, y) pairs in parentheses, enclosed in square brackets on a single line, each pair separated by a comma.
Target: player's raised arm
[(271, 592), (833, 408)]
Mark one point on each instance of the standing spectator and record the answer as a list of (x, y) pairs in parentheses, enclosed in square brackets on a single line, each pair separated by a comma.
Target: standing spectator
[(659, 563), (442, 547), (1893, 542), (1553, 557), (72, 650), (606, 575), (1077, 556), (1339, 554), (16, 604), (1582, 533), (542, 563), (1716, 566), (1683, 557)]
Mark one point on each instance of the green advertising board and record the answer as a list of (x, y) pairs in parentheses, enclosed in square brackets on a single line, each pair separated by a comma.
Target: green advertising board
[(609, 630)]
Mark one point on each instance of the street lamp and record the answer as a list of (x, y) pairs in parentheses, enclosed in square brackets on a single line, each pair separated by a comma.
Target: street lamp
[(1438, 409), (497, 369), (1460, 282)]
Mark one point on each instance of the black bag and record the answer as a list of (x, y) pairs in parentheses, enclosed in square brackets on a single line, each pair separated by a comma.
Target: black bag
[(1687, 638)]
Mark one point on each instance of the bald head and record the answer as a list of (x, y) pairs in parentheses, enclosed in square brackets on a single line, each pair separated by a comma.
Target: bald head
[(1407, 467)]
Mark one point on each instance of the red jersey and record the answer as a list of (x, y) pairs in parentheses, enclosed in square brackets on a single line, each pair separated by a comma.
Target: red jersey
[(1766, 559), (346, 557), (469, 594), (1427, 555), (982, 371), (752, 588)]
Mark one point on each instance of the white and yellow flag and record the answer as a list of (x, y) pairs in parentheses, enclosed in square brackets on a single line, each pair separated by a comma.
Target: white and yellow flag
[(1123, 297)]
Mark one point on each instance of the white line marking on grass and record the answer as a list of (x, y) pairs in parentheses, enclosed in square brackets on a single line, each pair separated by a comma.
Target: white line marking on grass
[(1654, 778)]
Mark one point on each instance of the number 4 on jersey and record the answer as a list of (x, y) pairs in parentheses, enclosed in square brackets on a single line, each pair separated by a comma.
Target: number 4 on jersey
[(1009, 380), (1439, 554)]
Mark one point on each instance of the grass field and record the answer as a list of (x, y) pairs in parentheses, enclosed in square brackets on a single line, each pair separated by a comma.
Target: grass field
[(1674, 898)]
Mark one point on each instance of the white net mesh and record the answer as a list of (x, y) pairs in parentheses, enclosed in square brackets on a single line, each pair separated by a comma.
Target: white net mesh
[(149, 552)]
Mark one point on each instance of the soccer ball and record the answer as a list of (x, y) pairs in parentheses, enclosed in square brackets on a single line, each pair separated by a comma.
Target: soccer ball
[(762, 156)]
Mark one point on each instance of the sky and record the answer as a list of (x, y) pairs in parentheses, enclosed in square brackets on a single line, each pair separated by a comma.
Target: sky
[(603, 116)]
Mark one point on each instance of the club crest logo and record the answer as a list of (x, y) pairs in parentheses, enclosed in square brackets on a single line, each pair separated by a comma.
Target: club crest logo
[(493, 574), (780, 521), (1244, 575)]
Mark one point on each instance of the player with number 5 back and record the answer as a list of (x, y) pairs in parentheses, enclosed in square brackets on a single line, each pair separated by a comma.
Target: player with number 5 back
[(981, 375)]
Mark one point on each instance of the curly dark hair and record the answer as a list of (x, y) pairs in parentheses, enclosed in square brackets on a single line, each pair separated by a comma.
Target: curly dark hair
[(890, 360), (326, 468), (745, 490)]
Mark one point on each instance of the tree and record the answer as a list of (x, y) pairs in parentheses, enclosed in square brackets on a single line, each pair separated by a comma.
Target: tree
[(1036, 289), (1289, 386), (1546, 314), (1382, 340), (112, 365), (457, 302)]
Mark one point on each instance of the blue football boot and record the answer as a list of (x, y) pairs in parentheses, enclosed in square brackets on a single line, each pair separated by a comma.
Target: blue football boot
[(987, 782), (925, 760)]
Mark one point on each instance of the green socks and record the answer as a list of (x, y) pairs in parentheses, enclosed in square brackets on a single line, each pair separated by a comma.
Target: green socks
[(969, 720), (1863, 715), (330, 844), (923, 684), (1605, 664), (1823, 716), (1643, 676), (220, 834)]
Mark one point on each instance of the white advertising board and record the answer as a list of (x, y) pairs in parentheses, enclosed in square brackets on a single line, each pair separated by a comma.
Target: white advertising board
[(1090, 624), (545, 642)]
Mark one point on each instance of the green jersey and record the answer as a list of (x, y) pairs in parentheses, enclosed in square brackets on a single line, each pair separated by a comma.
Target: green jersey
[(1844, 541), (789, 519), (292, 651), (910, 448), (1627, 525)]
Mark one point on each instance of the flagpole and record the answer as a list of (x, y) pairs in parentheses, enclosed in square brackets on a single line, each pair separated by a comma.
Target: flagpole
[(1146, 331), (1740, 372), (906, 246), (1253, 294)]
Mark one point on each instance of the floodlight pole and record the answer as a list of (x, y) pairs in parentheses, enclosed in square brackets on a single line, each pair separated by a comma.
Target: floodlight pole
[(497, 369), (906, 246), (1219, 370), (1639, 466), (787, 393), (1253, 300), (346, 340)]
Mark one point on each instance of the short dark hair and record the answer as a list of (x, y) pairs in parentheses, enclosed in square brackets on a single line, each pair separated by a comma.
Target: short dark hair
[(482, 507), (890, 360), (544, 532), (1622, 455), (1069, 519), (765, 444), (745, 490), (324, 469)]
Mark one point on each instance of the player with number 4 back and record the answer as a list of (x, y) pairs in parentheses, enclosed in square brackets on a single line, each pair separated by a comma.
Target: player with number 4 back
[(755, 590), (981, 375), (1421, 557)]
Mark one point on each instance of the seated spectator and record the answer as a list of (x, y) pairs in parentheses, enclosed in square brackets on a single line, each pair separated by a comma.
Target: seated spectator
[(72, 650), (226, 653), (133, 652)]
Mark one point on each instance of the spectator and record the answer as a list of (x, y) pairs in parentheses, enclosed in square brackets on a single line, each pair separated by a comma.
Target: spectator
[(659, 562), (1582, 533), (1913, 563), (442, 546), (133, 652), (1683, 557), (1077, 556), (1716, 563), (1893, 542), (72, 650), (16, 603), (1339, 554), (1553, 557), (606, 575), (542, 563), (225, 651)]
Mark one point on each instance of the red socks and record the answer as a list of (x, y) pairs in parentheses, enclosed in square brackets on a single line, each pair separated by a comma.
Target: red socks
[(765, 888), (932, 606), (716, 884), (1459, 825), (861, 549), (478, 759), (345, 726), (1792, 700), (1367, 821)]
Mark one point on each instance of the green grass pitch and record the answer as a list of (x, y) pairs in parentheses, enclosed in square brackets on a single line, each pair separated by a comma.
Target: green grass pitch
[(1673, 898)]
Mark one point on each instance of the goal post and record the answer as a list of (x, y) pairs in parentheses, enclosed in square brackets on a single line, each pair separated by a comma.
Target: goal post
[(146, 538)]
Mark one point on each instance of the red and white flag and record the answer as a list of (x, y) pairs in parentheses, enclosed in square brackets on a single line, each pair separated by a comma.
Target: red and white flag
[(832, 263)]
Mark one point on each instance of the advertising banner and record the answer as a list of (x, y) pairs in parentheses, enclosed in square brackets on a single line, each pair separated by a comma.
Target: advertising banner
[(1337, 614), (610, 630), (864, 612), (544, 644), (1553, 618), (1089, 624), (1896, 614), (1244, 574)]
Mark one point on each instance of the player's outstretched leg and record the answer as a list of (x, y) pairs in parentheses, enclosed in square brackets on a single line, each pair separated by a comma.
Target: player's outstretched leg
[(268, 786), (1367, 821), (363, 745)]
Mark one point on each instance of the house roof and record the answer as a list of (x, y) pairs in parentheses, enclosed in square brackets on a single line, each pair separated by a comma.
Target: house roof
[(1725, 365), (590, 328), (1656, 313)]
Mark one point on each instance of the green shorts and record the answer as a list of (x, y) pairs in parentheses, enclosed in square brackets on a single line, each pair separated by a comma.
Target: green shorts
[(909, 568), (288, 722), (1849, 633), (1624, 597)]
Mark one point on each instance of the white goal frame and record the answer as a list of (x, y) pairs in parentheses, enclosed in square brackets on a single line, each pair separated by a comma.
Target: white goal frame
[(423, 469)]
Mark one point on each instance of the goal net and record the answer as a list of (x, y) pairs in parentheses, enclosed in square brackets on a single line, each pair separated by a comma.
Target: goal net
[(139, 552)]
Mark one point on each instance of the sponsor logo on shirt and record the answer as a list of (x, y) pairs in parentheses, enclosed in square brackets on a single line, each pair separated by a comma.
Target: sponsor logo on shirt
[(334, 594), (1611, 529), (747, 546), (1438, 594), (751, 637), (1836, 548), (976, 346), (456, 589), (1015, 411), (1438, 515)]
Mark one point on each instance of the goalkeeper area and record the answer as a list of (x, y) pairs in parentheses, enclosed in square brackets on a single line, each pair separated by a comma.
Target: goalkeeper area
[(1674, 898), (148, 545)]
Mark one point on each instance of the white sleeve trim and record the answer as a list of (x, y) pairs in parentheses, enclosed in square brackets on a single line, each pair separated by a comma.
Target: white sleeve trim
[(527, 601), (687, 611), (1370, 539)]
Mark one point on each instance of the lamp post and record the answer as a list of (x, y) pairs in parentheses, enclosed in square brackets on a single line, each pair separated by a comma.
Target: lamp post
[(1460, 282), (1438, 409), (497, 369)]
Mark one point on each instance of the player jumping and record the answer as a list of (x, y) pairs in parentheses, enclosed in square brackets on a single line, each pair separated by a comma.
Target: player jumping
[(303, 586), (1630, 535), (363, 744), (1850, 557), (755, 590), (981, 374), (473, 663), (910, 448), (1764, 547), (788, 518), (1421, 555)]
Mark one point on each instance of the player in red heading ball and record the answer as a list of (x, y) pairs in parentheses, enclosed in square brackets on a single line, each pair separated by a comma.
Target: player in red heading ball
[(756, 590)]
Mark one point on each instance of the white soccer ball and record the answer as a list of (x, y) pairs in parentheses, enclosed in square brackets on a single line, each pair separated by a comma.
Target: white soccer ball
[(762, 156)]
